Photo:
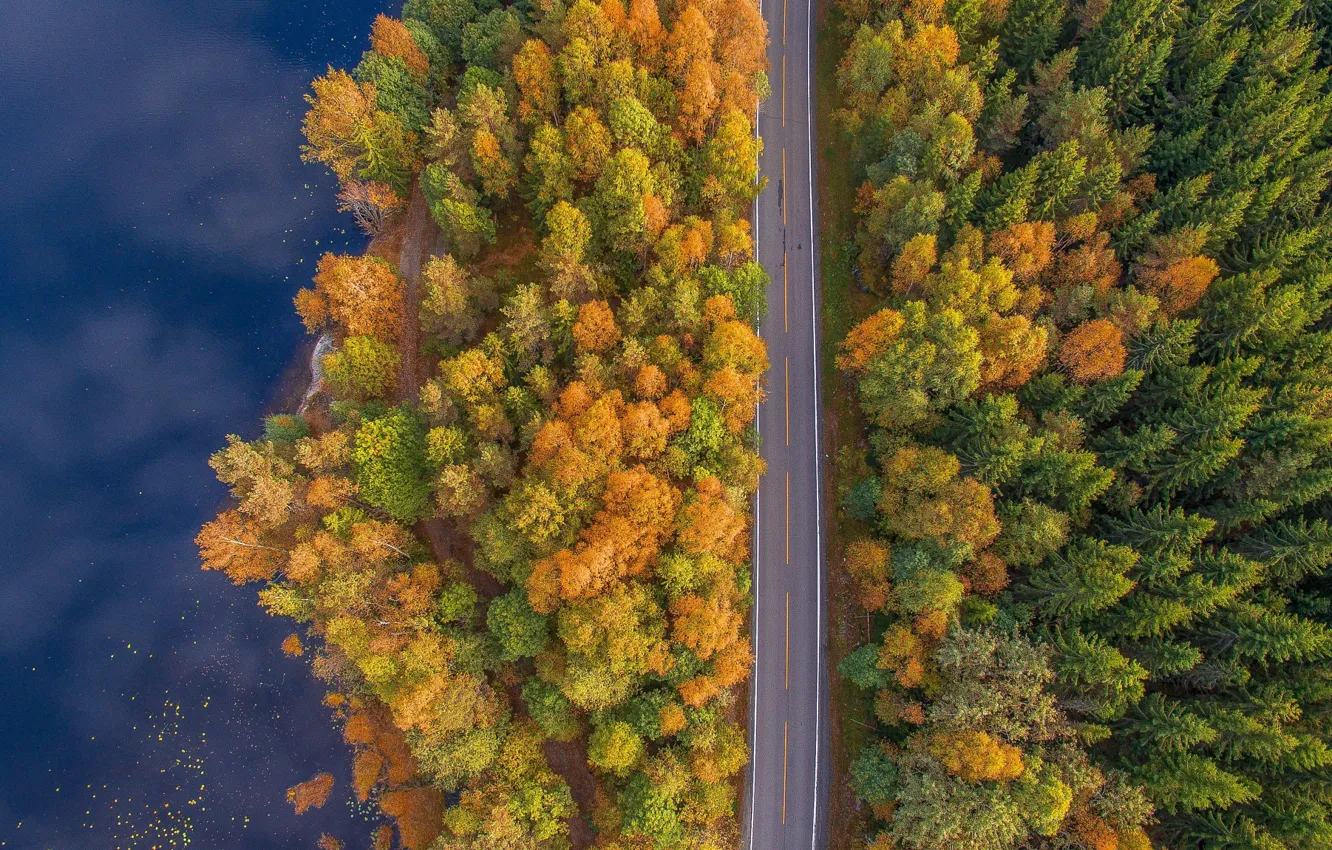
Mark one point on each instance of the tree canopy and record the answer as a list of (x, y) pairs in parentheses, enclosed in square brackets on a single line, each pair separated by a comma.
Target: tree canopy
[(516, 512), (1093, 381)]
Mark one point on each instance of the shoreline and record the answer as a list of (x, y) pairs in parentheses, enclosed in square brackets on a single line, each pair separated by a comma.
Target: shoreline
[(289, 393)]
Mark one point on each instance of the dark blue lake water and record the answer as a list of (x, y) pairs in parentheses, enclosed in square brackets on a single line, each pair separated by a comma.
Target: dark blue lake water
[(157, 223)]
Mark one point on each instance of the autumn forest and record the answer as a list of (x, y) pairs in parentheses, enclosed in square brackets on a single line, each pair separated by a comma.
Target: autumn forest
[(1084, 484), (513, 523), (1094, 378)]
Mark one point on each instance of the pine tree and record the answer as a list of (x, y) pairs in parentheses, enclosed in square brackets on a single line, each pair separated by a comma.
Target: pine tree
[(1068, 479), (1031, 33), (1290, 550), (1084, 579), (1252, 633), (1162, 725), (1187, 782), (988, 438), (1127, 49), (1100, 680)]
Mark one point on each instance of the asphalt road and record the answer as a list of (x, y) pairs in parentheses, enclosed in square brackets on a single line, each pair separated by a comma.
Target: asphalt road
[(787, 796)]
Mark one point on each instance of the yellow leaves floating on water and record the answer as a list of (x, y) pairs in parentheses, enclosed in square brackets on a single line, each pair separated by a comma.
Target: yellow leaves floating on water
[(177, 756)]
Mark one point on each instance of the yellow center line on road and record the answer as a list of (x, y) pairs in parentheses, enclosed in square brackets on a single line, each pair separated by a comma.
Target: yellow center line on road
[(783, 771), (788, 640), (783, 199), (788, 401), (786, 314), (783, 98), (783, 23), (788, 517)]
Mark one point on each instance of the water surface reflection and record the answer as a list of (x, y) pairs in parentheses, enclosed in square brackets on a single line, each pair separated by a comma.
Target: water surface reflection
[(157, 224)]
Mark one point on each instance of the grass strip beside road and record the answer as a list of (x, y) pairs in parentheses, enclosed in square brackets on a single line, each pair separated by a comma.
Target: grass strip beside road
[(844, 304)]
